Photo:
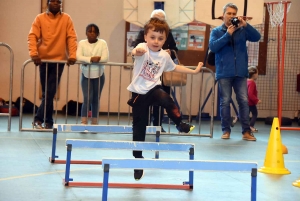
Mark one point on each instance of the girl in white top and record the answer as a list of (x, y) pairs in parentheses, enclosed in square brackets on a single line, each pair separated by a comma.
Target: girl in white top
[(91, 51), (150, 62)]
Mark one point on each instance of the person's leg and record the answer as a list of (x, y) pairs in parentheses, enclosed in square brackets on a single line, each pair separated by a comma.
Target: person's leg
[(253, 110), (39, 116), (158, 112), (85, 105), (55, 71), (160, 97), (225, 92), (241, 91), (96, 97), (140, 114)]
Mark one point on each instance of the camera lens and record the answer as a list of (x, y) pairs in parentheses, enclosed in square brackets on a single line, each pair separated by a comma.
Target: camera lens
[(235, 21)]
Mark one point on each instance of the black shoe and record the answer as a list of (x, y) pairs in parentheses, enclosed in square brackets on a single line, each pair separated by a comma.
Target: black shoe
[(163, 130), (185, 128), (48, 125), (138, 174), (37, 124)]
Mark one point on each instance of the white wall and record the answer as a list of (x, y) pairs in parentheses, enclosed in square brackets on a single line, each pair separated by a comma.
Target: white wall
[(16, 17)]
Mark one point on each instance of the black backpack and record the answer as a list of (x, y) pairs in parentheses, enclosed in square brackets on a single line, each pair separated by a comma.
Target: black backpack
[(211, 58)]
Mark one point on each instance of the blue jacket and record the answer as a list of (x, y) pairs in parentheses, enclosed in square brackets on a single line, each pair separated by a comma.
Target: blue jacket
[(231, 57)]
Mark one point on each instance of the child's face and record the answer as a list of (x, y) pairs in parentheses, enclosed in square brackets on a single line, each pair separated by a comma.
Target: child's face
[(92, 35), (255, 76), (155, 40)]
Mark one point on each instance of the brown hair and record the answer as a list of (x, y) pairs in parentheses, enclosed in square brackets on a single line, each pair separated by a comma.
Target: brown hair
[(158, 25), (252, 70)]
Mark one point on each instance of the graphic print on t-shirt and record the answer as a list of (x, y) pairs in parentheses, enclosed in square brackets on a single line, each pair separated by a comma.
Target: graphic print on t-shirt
[(149, 70)]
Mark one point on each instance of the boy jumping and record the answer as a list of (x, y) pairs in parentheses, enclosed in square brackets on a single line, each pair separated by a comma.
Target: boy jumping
[(150, 62)]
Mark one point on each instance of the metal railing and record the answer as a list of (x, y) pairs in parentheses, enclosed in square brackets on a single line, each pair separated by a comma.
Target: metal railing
[(10, 85), (116, 105)]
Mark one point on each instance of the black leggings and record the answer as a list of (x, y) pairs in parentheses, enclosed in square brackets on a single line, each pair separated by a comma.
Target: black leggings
[(140, 112), (253, 110), (159, 115)]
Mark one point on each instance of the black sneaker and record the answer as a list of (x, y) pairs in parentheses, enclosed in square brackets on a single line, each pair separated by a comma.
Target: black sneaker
[(138, 174), (37, 124), (163, 130), (185, 128), (48, 126)]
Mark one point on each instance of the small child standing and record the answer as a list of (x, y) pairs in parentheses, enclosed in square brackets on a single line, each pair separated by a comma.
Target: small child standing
[(150, 62), (252, 96), (91, 51)]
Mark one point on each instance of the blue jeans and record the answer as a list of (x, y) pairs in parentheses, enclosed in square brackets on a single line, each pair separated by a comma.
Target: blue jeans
[(91, 97), (239, 86)]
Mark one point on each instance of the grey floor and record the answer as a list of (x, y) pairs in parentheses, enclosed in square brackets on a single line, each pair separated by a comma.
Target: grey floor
[(26, 174)]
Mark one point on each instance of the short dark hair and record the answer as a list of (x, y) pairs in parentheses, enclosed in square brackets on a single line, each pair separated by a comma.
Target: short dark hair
[(252, 70), (158, 25), (49, 1), (231, 5), (89, 26)]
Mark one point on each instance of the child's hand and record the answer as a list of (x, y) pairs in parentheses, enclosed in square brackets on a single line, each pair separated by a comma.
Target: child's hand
[(197, 70), (95, 59), (139, 51), (259, 101), (168, 51)]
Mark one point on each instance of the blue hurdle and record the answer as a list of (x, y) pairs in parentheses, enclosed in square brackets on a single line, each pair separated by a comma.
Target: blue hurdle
[(190, 165), (94, 128), (129, 145)]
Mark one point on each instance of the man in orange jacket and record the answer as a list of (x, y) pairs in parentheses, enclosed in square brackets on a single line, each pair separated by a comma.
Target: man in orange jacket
[(52, 37)]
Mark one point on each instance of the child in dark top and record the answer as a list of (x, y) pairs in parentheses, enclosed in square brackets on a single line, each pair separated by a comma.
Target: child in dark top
[(150, 61), (252, 96)]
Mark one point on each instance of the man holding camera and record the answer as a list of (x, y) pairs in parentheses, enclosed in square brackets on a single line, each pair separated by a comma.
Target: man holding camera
[(228, 42)]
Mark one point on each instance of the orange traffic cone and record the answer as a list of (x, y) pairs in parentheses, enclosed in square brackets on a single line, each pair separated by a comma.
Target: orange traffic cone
[(297, 183), (284, 149), (274, 163)]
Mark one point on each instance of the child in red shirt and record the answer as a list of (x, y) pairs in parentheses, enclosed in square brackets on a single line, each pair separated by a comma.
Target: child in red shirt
[(252, 96)]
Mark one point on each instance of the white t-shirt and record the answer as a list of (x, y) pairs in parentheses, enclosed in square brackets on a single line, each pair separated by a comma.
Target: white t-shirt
[(86, 50), (148, 68)]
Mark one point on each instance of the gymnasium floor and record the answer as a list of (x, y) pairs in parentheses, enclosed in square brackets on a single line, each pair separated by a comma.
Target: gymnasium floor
[(27, 175)]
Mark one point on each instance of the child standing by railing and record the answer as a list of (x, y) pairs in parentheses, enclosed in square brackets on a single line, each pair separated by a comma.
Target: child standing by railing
[(91, 51)]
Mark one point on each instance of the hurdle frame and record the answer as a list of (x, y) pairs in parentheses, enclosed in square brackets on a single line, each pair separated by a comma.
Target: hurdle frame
[(93, 128), (126, 145), (191, 165)]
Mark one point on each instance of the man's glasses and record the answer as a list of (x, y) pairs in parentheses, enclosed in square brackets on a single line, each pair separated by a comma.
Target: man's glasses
[(53, 1)]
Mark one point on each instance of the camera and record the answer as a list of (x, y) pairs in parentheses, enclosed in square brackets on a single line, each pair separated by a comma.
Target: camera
[(235, 21)]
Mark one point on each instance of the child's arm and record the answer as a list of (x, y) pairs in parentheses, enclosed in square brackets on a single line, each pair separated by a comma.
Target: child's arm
[(182, 69), (104, 51), (138, 51), (80, 55)]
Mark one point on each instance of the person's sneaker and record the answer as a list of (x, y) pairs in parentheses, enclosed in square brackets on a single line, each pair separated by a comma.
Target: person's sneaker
[(253, 130), (185, 128), (37, 124), (163, 130), (138, 174), (226, 135), (48, 126), (248, 136)]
